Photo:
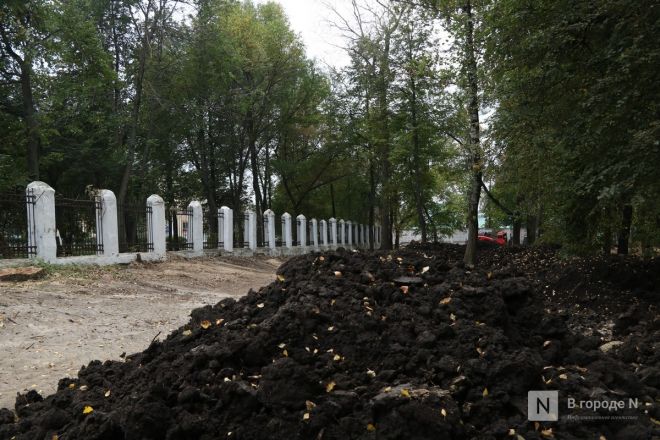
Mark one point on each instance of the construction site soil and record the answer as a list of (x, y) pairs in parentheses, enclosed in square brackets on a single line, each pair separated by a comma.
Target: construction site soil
[(408, 344)]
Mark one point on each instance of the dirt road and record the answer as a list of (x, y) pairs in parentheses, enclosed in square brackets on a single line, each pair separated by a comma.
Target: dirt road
[(51, 327)]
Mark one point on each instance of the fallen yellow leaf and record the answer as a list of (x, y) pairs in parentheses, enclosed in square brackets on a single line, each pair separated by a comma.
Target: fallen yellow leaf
[(371, 427), (219, 321), (88, 409), (405, 393), (205, 324), (306, 416), (309, 405), (280, 278), (563, 376), (336, 358), (285, 353), (445, 300), (443, 412), (485, 393), (187, 333), (72, 386), (330, 386)]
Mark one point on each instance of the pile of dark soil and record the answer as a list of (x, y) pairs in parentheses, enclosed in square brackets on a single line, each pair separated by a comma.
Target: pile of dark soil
[(347, 345)]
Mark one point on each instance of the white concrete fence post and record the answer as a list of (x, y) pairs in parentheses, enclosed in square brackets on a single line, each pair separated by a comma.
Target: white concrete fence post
[(251, 231), (269, 229), (108, 230), (228, 228), (342, 232), (41, 221), (286, 230), (333, 232), (349, 227), (315, 233), (196, 227), (324, 232), (156, 228), (301, 224)]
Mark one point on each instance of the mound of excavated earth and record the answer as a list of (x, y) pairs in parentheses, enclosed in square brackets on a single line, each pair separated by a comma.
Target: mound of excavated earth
[(351, 345)]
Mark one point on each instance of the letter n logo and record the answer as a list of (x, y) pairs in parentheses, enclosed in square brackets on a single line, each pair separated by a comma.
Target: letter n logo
[(543, 406)]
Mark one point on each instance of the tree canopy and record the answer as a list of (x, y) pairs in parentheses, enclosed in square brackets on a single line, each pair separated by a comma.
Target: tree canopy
[(541, 115)]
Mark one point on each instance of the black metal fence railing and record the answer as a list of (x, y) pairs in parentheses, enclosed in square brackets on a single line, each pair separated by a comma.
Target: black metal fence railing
[(261, 230), (264, 235), (240, 240), (210, 227), (78, 227), (135, 235), (16, 241), (180, 229), (279, 232), (295, 232)]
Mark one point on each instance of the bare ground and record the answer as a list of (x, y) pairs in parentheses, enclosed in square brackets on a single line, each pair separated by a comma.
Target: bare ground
[(49, 328)]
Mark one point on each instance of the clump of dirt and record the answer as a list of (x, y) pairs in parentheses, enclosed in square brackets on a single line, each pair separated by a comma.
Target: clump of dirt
[(408, 344)]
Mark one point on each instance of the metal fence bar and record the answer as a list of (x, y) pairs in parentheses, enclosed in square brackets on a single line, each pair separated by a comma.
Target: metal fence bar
[(180, 229), (211, 237), (78, 227), (16, 210), (134, 233), (279, 234), (240, 227)]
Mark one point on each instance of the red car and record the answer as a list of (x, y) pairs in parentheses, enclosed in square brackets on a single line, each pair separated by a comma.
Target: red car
[(500, 240)]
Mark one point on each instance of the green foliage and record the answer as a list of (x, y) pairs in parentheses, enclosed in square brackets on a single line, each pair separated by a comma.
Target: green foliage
[(577, 112)]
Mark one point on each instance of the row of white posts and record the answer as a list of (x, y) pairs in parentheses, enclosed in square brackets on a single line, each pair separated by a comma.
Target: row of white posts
[(341, 233), (333, 233)]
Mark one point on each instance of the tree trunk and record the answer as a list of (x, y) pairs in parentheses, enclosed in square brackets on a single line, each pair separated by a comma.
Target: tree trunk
[(135, 117), (531, 229), (607, 241), (386, 231), (624, 232), (332, 200), (258, 201), (515, 237), (31, 124), (417, 172), (470, 257)]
